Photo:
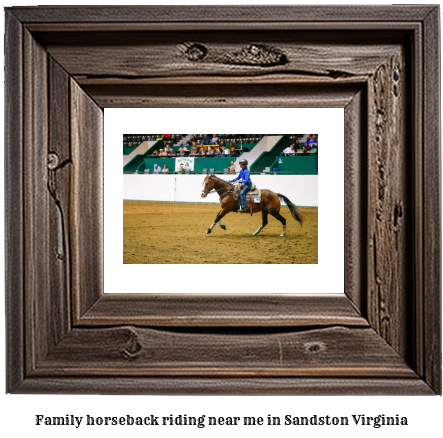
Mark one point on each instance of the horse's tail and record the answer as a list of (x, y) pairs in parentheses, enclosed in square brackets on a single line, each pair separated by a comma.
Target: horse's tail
[(293, 209)]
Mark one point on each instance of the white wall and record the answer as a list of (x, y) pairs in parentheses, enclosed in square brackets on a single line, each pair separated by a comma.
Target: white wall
[(302, 190)]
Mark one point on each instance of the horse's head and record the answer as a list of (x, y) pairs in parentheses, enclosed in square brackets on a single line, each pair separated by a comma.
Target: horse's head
[(208, 185)]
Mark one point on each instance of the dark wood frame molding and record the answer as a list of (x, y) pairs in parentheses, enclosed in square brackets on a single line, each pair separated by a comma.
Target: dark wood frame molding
[(65, 64)]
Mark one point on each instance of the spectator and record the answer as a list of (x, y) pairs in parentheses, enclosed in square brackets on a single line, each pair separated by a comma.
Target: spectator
[(192, 139), (165, 169), (290, 150), (171, 153), (162, 153), (202, 152), (155, 153), (167, 136), (181, 170), (185, 144), (181, 150), (225, 151), (214, 139), (159, 138), (157, 169), (306, 147), (232, 168), (314, 150), (194, 151), (222, 143), (234, 150), (313, 140), (206, 139), (210, 151)]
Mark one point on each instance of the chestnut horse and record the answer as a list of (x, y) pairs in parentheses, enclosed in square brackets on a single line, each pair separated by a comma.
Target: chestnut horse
[(269, 203)]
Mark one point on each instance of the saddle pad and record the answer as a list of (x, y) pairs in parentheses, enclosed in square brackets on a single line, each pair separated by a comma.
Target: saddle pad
[(254, 196)]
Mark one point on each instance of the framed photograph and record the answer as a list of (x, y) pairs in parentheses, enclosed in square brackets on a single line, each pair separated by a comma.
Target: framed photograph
[(204, 228), (65, 65)]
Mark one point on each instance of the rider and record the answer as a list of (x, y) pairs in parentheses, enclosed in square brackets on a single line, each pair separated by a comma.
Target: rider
[(245, 179)]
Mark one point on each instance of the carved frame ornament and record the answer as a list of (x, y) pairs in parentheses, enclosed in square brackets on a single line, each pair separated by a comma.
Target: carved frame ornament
[(64, 65)]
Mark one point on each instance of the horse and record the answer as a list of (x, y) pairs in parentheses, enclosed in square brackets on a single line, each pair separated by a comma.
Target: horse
[(269, 204)]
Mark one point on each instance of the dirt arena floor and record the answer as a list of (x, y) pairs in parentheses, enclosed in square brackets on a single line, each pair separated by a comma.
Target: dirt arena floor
[(163, 232)]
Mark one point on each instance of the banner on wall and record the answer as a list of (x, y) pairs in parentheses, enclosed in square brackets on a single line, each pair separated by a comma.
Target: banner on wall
[(186, 162)]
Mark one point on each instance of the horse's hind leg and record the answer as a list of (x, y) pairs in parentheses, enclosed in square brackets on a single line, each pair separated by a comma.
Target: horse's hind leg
[(264, 223), (279, 217)]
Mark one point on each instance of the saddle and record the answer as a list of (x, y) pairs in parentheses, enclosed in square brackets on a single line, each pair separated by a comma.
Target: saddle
[(252, 197)]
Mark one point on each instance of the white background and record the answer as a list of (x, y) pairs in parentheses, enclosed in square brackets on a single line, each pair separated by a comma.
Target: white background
[(17, 411), (328, 123)]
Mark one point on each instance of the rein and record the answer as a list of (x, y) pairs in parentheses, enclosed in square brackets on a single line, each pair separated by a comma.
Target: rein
[(228, 189)]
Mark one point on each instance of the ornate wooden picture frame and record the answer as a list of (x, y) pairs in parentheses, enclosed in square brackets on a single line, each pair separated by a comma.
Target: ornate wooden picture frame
[(64, 65)]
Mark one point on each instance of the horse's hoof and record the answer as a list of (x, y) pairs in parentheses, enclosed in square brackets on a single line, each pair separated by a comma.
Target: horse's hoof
[(208, 231), (282, 235), (223, 227)]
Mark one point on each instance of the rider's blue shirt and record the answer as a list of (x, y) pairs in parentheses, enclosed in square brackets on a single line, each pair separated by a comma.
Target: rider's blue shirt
[(243, 176)]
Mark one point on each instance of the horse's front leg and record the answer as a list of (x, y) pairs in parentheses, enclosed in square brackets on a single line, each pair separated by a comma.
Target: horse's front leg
[(208, 231), (217, 220)]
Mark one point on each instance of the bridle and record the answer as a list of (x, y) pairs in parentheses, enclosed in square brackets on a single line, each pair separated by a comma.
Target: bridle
[(206, 192)]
